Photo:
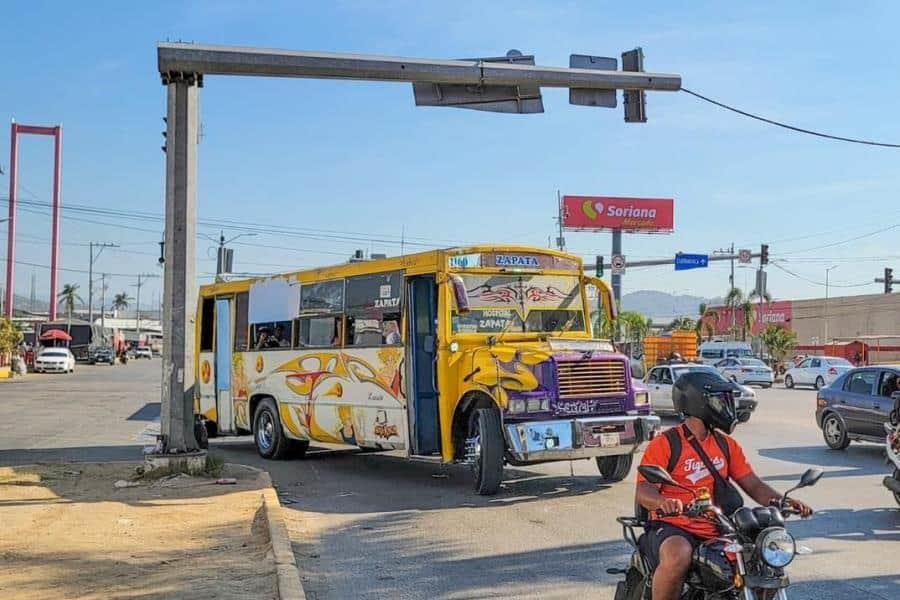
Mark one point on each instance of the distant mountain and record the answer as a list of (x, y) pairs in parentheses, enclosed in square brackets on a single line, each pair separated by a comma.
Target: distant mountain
[(662, 307)]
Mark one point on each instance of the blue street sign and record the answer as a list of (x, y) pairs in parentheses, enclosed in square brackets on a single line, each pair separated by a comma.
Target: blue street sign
[(683, 262)]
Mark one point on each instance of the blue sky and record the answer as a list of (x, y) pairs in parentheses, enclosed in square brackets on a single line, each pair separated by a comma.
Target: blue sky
[(360, 158)]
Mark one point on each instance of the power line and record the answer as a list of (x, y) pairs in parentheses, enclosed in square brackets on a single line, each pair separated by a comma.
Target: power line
[(845, 241), (814, 282), (790, 127)]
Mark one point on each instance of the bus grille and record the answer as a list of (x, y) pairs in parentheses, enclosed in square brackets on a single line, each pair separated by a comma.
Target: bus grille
[(591, 378)]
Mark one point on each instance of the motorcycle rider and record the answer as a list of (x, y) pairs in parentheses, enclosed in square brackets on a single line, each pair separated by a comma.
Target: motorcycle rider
[(669, 540)]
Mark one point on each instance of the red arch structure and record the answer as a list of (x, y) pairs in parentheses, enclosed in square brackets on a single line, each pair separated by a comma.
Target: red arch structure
[(56, 132)]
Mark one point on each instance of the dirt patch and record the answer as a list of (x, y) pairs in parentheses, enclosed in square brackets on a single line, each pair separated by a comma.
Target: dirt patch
[(69, 532)]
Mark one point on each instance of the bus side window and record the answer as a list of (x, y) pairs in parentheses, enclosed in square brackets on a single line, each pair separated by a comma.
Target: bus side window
[(318, 332), (207, 324), (241, 305)]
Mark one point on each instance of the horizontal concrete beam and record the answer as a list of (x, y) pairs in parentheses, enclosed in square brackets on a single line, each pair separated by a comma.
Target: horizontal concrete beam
[(230, 60)]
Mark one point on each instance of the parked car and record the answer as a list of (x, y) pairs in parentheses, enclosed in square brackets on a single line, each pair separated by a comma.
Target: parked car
[(661, 378), (143, 352), (713, 352), (817, 371), (746, 371), (103, 355), (856, 405), (55, 360)]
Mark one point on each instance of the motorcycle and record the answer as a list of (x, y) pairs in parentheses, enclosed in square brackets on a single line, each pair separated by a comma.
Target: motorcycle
[(745, 562), (892, 448)]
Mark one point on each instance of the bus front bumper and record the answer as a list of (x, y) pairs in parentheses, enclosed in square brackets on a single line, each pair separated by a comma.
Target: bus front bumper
[(571, 439)]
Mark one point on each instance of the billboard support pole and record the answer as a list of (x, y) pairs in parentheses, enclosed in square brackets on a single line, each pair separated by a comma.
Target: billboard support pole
[(616, 278)]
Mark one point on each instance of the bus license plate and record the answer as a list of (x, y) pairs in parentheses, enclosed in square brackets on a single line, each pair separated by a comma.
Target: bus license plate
[(609, 440)]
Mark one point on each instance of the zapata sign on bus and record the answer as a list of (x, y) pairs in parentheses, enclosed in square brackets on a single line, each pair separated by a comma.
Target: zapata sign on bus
[(593, 213)]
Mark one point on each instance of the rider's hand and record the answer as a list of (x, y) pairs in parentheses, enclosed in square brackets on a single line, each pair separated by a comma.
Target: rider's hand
[(671, 507), (804, 510)]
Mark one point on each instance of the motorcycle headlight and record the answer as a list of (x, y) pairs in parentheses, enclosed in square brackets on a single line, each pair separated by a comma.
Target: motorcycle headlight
[(641, 399), (776, 547)]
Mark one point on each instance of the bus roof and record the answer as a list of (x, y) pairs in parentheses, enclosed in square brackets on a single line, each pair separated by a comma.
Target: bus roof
[(430, 261)]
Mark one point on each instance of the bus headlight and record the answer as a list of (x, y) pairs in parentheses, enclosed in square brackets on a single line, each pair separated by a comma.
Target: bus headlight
[(777, 547), (516, 405), (642, 399)]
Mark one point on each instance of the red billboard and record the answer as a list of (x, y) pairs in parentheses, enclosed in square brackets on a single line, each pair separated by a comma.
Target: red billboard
[(771, 313), (592, 213)]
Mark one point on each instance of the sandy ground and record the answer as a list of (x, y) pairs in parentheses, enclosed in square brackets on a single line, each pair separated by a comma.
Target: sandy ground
[(67, 532)]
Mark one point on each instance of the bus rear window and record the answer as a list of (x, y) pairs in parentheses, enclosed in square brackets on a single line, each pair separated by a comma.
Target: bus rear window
[(207, 324)]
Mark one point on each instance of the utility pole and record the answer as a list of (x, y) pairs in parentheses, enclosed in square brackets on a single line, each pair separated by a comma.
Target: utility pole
[(825, 306), (140, 282), (728, 253), (560, 240), (92, 258), (32, 299), (103, 307)]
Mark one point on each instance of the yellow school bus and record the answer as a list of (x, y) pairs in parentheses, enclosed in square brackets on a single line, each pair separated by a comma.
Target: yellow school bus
[(482, 355)]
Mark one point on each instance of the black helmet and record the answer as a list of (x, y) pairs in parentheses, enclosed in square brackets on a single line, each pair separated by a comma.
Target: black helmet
[(708, 397)]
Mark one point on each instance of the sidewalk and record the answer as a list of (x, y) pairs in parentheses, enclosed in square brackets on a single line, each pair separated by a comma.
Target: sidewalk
[(69, 532)]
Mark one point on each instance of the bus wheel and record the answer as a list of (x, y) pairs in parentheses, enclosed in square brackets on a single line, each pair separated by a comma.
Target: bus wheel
[(485, 449), (201, 434), (267, 434), (615, 468)]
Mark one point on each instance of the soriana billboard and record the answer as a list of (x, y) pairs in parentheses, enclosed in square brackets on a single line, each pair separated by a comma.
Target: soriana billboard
[(611, 212)]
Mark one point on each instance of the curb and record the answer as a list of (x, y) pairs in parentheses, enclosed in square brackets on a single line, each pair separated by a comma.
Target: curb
[(287, 575)]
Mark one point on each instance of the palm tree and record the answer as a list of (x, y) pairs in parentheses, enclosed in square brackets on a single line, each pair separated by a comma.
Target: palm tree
[(120, 302), (779, 342), (734, 299), (682, 324), (707, 323), (68, 296)]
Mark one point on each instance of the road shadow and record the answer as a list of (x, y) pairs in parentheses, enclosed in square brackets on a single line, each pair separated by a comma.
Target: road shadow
[(71, 454), (848, 525), (149, 412), (389, 560), (857, 460), (356, 482)]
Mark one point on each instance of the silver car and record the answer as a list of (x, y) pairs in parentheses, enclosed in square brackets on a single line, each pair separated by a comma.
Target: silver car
[(817, 371), (746, 371), (661, 378)]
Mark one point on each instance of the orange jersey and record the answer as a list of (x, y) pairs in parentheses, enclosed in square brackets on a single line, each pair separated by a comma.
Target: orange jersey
[(692, 473)]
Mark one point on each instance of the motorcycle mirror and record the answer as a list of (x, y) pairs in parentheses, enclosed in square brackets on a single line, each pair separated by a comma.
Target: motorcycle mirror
[(657, 475), (810, 477)]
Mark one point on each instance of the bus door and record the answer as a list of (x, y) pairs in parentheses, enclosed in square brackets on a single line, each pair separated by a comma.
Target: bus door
[(423, 400), (224, 344)]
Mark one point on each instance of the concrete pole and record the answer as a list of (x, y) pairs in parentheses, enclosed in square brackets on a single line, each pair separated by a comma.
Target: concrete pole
[(54, 238), (11, 223), (138, 310), (179, 286), (102, 307), (91, 283), (616, 279)]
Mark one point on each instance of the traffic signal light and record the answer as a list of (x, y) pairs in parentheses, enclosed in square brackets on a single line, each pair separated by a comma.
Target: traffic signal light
[(635, 100), (888, 280), (764, 254), (598, 267)]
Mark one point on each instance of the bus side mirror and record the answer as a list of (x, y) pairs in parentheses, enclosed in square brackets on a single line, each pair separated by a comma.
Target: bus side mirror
[(460, 295)]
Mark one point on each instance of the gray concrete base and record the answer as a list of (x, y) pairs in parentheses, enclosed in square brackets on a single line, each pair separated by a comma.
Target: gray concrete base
[(193, 462)]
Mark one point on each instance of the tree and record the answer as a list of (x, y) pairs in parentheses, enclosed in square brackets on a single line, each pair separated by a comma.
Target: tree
[(10, 338), (707, 323), (68, 296), (778, 341), (635, 326), (120, 302), (682, 324)]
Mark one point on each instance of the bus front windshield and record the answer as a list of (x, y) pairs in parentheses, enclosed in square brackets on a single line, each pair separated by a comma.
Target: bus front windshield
[(526, 303)]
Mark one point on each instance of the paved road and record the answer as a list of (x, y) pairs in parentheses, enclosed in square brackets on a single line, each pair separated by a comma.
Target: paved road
[(369, 526)]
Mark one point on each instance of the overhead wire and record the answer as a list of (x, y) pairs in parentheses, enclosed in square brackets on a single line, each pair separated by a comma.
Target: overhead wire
[(788, 126)]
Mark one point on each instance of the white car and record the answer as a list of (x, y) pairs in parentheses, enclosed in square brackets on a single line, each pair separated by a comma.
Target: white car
[(817, 371), (661, 378), (143, 352), (746, 371), (55, 360)]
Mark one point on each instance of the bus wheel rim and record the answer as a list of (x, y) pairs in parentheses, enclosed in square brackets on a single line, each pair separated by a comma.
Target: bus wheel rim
[(265, 432)]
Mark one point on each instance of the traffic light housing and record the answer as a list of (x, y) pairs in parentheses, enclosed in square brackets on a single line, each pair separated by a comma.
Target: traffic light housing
[(598, 267), (764, 254), (888, 280), (635, 100)]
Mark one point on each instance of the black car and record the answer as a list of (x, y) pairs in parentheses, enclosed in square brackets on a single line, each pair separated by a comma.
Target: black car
[(856, 405), (103, 355)]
